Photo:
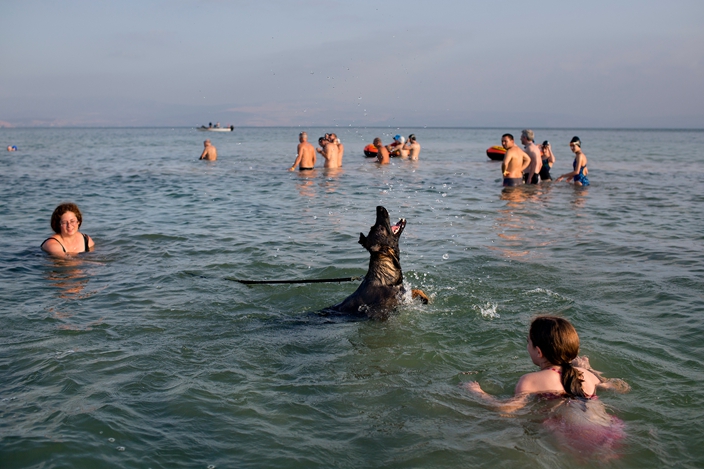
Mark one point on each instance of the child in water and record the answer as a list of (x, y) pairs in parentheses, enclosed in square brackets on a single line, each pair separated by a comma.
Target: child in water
[(579, 420)]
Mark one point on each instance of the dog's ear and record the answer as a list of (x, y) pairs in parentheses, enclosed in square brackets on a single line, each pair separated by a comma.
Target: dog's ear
[(362, 239)]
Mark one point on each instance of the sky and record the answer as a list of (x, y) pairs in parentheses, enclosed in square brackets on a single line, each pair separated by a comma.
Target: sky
[(411, 63)]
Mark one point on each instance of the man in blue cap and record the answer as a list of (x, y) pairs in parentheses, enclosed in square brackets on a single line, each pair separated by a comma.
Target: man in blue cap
[(396, 148)]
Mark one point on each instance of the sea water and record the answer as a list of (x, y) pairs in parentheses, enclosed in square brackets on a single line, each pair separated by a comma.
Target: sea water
[(147, 353)]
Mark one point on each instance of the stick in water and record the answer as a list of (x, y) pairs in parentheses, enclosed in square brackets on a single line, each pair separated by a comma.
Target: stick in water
[(314, 280)]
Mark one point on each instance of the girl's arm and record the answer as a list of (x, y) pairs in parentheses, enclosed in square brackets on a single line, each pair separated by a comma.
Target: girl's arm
[(508, 406), (613, 384)]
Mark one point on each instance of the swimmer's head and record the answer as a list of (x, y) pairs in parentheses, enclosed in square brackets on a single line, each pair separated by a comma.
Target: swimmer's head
[(397, 137), (377, 142), (558, 342), (60, 210), (546, 143), (322, 140), (508, 136), (302, 137), (528, 135), (12, 148), (576, 141), (556, 338), (402, 140), (412, 138)]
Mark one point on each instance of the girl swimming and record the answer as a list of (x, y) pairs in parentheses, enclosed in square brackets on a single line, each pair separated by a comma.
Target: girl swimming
[(579, 420)]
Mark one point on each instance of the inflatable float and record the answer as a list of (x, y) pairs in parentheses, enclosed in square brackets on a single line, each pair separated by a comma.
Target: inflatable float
[(496, 153), (370, 151)]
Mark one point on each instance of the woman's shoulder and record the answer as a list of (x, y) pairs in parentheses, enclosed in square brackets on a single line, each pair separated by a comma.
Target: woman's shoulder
[(50, 240), (52, 246)]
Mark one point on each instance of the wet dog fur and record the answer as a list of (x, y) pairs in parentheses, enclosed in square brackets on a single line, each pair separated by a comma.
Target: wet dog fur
[(382, 288)]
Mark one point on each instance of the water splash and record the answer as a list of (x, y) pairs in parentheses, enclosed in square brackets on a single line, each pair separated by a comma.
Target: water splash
[(488, 310)]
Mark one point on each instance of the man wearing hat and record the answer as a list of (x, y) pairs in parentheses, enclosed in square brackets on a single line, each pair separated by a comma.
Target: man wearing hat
[(396, 148)]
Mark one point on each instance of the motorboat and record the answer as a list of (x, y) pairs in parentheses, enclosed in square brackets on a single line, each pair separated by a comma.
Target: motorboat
[(203, 128)]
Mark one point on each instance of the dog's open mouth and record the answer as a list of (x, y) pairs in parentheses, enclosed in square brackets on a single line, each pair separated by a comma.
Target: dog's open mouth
[(398, 226)]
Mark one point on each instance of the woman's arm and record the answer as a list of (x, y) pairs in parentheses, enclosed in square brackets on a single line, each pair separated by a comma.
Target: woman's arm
[(567, 175), (551, 156)]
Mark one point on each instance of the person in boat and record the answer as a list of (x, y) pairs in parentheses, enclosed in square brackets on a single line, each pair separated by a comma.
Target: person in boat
[(396, 148), (382, 155), (533, 151), (67, 239), (579, 165), (210, 125), (329, 151), (210, 153), (578, 417), (412, 147), (306, 154), (548, 159), (515, 162)]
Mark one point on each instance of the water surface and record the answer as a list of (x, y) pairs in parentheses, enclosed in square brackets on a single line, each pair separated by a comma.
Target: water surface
[(145, 353)]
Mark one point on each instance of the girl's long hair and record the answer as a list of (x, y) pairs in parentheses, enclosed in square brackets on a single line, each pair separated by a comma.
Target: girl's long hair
[(559, 342)]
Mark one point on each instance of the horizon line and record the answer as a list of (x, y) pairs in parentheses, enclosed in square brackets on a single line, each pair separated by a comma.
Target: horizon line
[(350, 127)]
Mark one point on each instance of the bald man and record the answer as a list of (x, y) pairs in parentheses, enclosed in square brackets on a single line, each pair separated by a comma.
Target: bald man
[(210, 153), (306, 154), (382, 156)]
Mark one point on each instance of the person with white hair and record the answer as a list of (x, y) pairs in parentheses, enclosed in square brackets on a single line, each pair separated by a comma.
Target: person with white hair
[(531, 176)]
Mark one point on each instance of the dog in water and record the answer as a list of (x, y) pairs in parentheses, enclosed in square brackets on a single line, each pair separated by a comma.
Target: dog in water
[(382, 287)]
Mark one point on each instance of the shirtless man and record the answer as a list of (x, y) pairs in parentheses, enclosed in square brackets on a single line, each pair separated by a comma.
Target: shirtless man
[(412, 147), (340, 148), (536, 160), (515, 162), (330, 152), (306, 154), (210, 153), (382, 156)]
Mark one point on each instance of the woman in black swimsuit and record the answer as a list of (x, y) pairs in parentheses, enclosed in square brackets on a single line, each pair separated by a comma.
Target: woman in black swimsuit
[(548, 160), (66, 221)]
